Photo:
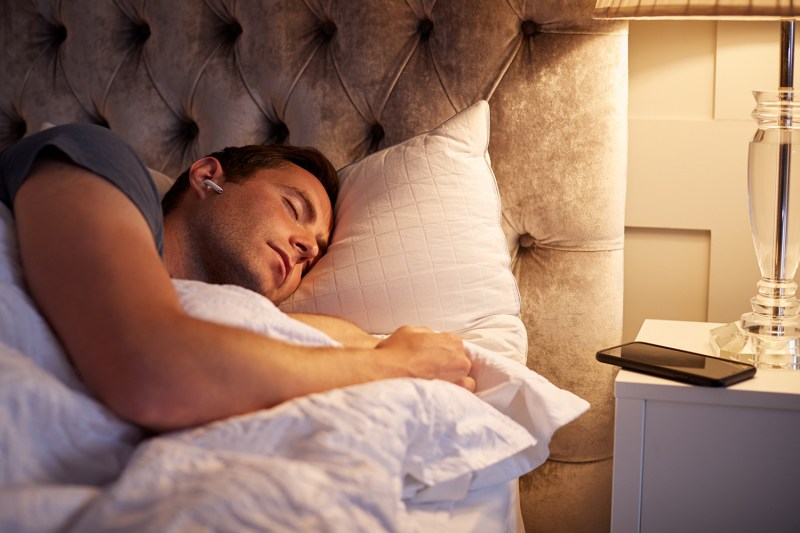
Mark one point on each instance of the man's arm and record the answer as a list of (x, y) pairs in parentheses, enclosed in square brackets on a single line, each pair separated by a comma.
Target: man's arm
[(346, 333), (90, 264)]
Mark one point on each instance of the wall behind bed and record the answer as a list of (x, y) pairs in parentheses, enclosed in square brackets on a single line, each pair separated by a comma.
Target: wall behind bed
[(180, 79)]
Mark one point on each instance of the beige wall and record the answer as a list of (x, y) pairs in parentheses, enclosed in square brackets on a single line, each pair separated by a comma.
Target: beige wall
[(689, 254)]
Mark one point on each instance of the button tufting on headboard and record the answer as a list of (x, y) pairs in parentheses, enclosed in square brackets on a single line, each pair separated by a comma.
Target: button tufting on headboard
[(376, 135), (230, 32), (140, 32), (100, 120), (529, 28), (526, 240), (327, 29), (424, 28), (234, 30), (16, 129), (278, 133), (58, 35), (188, 130)]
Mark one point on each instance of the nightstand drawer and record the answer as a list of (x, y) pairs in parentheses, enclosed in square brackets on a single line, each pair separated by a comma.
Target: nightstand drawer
[(691, 458)]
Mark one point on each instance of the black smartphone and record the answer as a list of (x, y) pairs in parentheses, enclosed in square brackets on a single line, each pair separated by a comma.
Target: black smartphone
[(679, 365)]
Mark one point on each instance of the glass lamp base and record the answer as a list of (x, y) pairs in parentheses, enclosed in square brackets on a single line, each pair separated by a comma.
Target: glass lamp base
[(774, 345)]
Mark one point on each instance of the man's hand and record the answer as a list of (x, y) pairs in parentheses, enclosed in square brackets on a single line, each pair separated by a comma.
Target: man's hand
[(422, 352), (428, 354)]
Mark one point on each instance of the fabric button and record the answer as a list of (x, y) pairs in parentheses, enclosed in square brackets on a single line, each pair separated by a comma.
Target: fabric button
[(424, 28), (18, 128), (190, 130), (529, 28), (59, 35), (526, 241), (376, 136), (234, 30), (141, 32), (279, 132), (327, 29)]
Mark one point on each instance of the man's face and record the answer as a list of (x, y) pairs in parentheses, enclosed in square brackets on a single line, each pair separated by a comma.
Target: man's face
[(265, 232)]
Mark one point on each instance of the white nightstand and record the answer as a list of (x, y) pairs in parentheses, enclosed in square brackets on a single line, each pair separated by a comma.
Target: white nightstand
[(689, 458)]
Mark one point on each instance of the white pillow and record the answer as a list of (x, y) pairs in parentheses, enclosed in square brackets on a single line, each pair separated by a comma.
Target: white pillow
[(418, 241)]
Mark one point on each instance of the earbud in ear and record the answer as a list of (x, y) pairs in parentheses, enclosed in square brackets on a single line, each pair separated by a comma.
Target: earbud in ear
[(213, 186)]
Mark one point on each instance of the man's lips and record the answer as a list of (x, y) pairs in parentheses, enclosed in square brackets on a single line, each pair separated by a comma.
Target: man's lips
[(285, 263)]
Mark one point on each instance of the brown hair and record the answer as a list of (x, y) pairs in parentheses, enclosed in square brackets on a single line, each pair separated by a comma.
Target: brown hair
[(241, 162)]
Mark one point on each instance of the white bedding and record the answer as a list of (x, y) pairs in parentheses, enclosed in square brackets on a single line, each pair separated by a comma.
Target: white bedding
[(394, 455)]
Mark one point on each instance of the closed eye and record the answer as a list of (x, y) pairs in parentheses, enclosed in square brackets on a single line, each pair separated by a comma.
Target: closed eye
[(300, 206), (292, 209)]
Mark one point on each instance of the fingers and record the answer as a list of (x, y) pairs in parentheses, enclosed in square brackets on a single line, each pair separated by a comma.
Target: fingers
[(468, 383), (428, 354)]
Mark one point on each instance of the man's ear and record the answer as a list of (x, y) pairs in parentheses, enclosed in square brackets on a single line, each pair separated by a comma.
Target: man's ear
[(207, 168)]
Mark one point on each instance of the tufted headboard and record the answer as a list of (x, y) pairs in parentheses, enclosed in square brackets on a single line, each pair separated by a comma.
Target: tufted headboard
[(179, 79)]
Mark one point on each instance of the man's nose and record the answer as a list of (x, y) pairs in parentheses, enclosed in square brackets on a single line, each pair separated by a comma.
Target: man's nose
[(307, 248)]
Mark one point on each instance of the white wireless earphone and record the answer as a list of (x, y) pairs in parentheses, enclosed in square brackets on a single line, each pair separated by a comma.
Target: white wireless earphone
[(213, 186)]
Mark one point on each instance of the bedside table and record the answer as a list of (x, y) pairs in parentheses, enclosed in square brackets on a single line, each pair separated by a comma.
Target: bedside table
[(705, 459)]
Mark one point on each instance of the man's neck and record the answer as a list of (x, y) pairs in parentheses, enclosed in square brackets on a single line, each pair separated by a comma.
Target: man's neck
[(175, 257)]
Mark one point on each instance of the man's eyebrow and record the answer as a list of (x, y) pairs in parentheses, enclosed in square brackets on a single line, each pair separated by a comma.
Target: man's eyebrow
[(322, 242)]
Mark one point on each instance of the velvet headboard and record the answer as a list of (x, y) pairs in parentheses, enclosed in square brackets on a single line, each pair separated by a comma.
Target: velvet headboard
[(178, 80)]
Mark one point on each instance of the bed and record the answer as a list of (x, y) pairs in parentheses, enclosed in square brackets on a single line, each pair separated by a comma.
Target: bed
[(492, 132)]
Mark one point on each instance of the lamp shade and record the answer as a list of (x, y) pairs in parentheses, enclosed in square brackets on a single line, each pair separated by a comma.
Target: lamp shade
[(709, 9)]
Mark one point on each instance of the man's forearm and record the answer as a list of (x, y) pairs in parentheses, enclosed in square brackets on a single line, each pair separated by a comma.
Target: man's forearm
[(340, 330)]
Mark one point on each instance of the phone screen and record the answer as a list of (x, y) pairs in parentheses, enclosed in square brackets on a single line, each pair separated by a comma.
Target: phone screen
[(677, 364)]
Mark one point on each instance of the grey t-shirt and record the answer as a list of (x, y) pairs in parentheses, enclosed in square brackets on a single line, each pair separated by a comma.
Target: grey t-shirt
[(95, 148)]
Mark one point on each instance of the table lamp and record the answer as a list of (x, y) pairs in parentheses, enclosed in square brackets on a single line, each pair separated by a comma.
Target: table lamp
[(769, 335)]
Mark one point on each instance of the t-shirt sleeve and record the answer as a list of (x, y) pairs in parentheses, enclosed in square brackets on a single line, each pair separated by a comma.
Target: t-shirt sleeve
[(98, 150)]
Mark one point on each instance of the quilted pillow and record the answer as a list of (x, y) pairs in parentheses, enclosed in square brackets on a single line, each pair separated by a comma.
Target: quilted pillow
[(418, 241)]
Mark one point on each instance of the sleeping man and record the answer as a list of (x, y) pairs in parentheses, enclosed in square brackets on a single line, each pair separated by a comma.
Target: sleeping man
[(98, 256)]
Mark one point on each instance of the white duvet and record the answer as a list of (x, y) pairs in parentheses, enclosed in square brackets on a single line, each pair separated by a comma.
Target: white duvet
[(394, 455)]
